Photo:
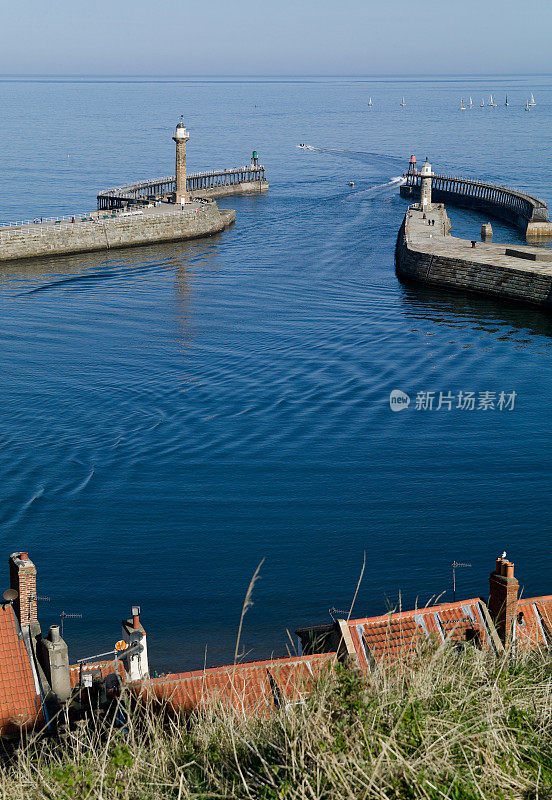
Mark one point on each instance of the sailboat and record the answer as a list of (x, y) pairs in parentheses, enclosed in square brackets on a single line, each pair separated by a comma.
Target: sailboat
[(471, 103), (506, 103), (492, 102), (403, 104), (370, 102), (528, 106), (532, 100), (462, 106), (482, 103)]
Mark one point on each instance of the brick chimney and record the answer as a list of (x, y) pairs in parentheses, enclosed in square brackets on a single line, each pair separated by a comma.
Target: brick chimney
[(23, 579), (503, 596)]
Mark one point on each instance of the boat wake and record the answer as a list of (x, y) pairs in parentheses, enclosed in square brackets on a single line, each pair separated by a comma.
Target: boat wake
[(375, 191)]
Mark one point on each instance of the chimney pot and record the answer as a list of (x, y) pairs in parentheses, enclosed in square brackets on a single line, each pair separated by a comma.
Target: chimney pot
[(136, 617), (498, 566), (24, 556), (54, 634), (509, 569)]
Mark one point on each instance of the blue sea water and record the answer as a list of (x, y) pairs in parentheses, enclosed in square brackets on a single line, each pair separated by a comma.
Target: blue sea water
[(172, 415)]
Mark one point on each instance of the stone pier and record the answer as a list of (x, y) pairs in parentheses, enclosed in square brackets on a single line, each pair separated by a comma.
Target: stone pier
[(107, 231), (427, 253), (526, 212)]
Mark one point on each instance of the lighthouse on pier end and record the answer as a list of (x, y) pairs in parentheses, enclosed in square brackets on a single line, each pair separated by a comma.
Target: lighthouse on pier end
[(425, 186), (181, 136)]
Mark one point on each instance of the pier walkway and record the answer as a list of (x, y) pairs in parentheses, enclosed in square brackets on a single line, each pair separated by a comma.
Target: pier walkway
[(522, 210), (427, 253)]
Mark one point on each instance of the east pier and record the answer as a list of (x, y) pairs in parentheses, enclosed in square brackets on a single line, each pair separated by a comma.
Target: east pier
[(426, 252), (523, 210)]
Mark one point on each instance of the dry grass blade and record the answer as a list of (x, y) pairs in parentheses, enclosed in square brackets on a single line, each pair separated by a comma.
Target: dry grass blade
[(247, 603)]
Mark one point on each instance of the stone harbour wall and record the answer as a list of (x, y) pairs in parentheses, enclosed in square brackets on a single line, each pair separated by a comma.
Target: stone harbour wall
[(31, 241), (443, 261), (245, 187)]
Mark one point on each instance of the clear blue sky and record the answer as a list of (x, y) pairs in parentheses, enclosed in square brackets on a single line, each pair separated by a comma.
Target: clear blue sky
[(275, 37)]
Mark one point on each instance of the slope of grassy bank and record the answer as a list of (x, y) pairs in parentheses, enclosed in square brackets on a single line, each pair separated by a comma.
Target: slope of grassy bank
[(450, 725)]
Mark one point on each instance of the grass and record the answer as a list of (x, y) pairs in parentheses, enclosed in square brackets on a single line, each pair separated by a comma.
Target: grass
[(460, 725)]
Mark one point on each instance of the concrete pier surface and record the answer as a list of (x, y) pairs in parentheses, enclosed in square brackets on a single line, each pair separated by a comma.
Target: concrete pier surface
[(426, 252), (101, 230)]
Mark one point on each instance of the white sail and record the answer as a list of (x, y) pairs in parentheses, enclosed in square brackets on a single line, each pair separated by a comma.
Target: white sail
[(482, 104), (471, 103), (370, 102), (403, 103), (506, 103), (532, 100), (462, 106)]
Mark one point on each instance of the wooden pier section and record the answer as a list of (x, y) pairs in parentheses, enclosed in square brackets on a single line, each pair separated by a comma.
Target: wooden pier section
[(426, 252), (216, 183), (522, 210)]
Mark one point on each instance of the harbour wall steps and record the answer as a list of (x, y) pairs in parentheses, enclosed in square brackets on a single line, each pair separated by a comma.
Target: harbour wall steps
[(107, 232), (528, 213), (427, 253)]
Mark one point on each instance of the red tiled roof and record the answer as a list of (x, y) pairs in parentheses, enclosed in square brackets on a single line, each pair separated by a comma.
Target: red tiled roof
[(103, 667), (396, 635), (20, 705), (249, 688), (533, 623)]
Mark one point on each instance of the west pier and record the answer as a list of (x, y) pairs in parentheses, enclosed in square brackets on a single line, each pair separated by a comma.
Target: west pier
[(173, 208), (427, 252)]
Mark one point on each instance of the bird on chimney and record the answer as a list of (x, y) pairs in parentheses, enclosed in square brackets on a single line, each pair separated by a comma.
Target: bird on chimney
[(503, 554)]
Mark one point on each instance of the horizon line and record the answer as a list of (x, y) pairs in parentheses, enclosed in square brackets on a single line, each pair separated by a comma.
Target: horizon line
[(191, 76)]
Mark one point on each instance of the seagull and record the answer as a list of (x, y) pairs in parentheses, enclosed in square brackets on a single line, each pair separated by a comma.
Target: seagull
[(503, 554)]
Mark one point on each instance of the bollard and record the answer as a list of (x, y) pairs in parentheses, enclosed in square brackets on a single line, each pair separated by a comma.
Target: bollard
[(486, 232)]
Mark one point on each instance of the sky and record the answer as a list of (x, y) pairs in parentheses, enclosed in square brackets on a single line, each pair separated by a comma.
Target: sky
[(275, 37)]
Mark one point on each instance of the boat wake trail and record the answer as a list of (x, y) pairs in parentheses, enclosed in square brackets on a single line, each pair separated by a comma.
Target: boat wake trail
[(379, 190)]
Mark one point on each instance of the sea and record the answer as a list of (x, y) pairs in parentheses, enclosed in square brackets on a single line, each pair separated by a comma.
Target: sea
[(174, 417)]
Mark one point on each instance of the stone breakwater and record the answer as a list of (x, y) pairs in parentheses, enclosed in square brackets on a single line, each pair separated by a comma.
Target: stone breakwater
[(426, 252), (226, 190), (99, 231)]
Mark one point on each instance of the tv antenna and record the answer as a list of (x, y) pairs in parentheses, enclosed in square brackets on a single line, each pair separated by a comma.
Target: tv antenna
[(10, 595), (454, 565), (64, 615)]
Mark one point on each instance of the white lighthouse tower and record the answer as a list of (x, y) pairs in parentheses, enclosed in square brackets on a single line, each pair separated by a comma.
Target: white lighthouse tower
[(181, 136), (425, 186)]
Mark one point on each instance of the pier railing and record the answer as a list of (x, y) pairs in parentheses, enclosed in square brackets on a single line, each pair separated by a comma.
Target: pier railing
[(512, 205), (161, 187), (45, 225)]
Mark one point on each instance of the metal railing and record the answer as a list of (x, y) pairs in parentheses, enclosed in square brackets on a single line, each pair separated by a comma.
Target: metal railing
[(63, 224)]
